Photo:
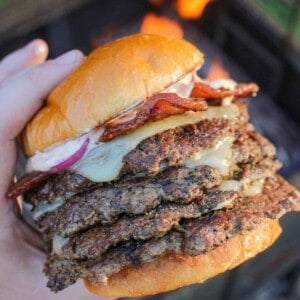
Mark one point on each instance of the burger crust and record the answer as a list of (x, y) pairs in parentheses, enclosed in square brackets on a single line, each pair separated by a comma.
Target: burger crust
[(174, 271), (140, 66)]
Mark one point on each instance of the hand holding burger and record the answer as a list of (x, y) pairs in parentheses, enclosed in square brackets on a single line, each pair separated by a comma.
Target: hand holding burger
[(143, 177), (25, 80)]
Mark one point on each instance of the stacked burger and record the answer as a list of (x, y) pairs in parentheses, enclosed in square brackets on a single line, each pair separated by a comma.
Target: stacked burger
[(144, 178)]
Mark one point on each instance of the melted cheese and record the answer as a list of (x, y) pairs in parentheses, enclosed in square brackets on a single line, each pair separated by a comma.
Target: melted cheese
[(57, 243), (44, 208), (231, 185), (218, 157), (104, 162), (245, 186), (255, 187)]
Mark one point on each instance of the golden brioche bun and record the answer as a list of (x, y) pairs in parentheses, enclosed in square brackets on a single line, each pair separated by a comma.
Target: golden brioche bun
[(110, 79), (174, 271)]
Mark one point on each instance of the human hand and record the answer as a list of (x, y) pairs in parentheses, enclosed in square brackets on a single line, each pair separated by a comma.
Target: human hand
[(25, 80)]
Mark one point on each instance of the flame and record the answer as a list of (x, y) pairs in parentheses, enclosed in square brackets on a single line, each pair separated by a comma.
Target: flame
[(154, 24), (191, 9), (217, 71)]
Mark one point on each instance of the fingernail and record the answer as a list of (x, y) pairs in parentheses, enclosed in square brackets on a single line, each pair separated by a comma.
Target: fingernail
[(37, 47), (69, 57)]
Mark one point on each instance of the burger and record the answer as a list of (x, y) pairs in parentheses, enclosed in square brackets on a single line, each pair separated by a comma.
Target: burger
[(143, 177)]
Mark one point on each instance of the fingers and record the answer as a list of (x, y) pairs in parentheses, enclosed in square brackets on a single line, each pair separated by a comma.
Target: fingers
[(22, 95), (33, 53)]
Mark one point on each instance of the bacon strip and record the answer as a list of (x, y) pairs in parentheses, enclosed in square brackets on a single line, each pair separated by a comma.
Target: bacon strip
[(242, 90), (203, 90), (157, 107), (27, 182)]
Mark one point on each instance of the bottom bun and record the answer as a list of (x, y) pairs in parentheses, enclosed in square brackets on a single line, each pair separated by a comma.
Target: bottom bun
[(174, 271)]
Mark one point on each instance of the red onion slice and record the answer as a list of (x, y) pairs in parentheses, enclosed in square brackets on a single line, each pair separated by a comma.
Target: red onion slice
[(72, 159)]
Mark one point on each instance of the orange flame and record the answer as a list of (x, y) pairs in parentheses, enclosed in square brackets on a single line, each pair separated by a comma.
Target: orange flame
[(191, 9), (217, 71), (153, 24)]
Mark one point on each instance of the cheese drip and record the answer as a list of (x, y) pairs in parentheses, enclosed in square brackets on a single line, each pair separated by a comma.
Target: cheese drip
[(247, 187), (58, 242), (45, 207), (104, 162), (218, 157)]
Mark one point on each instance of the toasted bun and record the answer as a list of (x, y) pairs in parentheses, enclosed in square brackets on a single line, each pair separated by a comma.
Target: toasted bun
[(109, 80), (174, 271)]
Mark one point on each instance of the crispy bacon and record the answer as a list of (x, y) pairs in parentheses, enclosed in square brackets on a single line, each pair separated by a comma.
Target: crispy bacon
[(155, 108), (203, 90), (27, 182), (242, 90)]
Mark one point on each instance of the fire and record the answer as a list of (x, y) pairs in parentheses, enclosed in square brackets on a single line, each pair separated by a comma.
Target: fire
[(191, 9), (217, 71), (154, 24)]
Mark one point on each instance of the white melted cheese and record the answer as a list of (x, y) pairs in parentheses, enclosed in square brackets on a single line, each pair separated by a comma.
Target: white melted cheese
[(255, 187), (245, 186), (231, 185), (104, 162), (44, 208), (58, 242), (218, 157)]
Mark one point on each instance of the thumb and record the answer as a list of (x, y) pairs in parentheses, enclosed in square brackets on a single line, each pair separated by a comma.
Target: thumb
[(22, 95)]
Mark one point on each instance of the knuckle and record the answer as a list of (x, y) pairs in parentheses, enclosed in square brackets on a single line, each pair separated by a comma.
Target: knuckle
[(36, 74)]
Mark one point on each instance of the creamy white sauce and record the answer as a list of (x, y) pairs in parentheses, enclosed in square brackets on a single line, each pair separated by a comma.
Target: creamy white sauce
[(127, 114), (43, 161), (183, 87)]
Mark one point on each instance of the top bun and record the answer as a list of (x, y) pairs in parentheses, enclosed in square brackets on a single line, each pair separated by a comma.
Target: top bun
[(111, 78)]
